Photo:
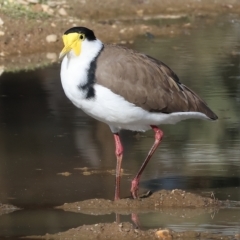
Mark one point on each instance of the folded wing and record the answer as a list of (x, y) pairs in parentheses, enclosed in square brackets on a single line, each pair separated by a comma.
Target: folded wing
[(146, 82)]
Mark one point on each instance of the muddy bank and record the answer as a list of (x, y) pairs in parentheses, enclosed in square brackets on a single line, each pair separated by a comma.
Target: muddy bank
[(128, 231), (40, 26), (158, 200), (175, 203), (6, 208)]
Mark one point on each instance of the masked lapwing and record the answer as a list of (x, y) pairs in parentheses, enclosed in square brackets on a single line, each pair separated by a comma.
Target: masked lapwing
[(126, 90)]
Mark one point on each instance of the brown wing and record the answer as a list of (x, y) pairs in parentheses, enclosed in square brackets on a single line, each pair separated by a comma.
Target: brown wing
[(146, 82)]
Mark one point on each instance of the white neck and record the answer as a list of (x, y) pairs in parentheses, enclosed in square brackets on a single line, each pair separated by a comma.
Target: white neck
[(90, 49), (74, 68)]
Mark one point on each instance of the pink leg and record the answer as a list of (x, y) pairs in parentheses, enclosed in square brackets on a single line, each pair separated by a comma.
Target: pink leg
[(134, 217), (119, 155), (135, 181)]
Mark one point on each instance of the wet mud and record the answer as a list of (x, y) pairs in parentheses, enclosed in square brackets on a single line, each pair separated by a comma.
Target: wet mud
[(156, 201), (175, 203), (128, 231)]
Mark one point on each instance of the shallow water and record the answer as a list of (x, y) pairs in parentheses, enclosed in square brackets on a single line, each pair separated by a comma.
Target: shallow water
[(42, 134)]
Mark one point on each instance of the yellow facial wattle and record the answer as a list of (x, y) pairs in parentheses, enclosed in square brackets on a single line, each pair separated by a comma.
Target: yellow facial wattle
[(71, 42)]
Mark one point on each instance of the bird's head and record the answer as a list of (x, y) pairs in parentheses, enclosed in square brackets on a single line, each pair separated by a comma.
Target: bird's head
[(73, 39)]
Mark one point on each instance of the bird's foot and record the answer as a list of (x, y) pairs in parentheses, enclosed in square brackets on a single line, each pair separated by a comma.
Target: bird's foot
[(146, 194), (134, 188)]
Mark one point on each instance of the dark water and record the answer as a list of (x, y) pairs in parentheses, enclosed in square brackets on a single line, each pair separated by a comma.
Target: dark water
[(42, 134)]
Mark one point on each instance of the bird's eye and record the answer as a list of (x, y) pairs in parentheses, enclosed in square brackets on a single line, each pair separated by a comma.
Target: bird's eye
[(82, 36)]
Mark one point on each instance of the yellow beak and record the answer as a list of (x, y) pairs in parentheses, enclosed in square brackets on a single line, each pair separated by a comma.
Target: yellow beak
[(71, 42)]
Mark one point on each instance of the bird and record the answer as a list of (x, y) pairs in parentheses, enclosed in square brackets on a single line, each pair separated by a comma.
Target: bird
[(125, 89)]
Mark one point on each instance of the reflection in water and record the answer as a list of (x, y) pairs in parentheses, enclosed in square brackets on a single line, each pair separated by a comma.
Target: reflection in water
[(42, 134)]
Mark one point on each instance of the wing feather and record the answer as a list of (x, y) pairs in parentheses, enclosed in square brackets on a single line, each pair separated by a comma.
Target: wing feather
[(146, 82)]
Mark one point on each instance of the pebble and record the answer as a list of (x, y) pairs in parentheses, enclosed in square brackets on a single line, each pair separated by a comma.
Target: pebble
[(237, 236), (51, 38), (52, 3), (65, 174), (228, 6), (122, 30), (22, 2), (149, 35), (1, 22), (33, 1), (163, 235), (187, 25), (62, 12), (51, 56), (47, 9), (55, 3), (139, 12), (2, 33)]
